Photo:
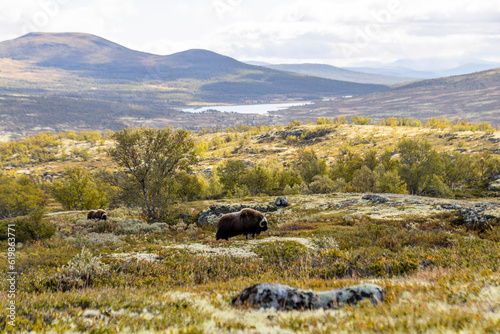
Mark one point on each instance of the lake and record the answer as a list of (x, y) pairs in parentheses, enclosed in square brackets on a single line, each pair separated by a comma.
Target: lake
[(248, 108)]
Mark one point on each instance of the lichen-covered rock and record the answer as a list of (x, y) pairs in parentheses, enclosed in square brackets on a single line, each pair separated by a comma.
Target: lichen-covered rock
[(281, 201), (393, 204), (347, 203), (212, 214), (451, 206), (283, 298), (494, 186), (478, 216), (376, 198)]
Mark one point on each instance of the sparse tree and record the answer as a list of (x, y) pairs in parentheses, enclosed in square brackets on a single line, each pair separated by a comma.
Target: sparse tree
[(419, 163), (77, 190), (311, 165), (232, 174), (365, 180), (152, 157)]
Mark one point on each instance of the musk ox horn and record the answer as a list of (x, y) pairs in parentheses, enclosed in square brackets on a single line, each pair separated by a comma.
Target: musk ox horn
[(263, 222)]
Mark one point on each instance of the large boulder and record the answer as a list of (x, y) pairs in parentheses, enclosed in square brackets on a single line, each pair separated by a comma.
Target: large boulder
[(283, 298), (376, 198), (281, 201), (494, 185), (480, 216)]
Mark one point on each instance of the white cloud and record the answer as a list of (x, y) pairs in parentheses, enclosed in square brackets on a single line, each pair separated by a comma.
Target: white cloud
[(338, 32)]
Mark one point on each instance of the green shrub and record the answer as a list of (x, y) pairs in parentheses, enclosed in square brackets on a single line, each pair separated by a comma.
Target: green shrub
[(280, 251), (19, 196), (322, 184), (31, 227)]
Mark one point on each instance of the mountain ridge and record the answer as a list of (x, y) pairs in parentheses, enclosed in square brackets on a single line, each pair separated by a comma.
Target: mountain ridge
[(338, 73)]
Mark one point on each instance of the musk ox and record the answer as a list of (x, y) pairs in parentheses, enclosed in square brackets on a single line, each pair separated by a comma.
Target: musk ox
[(246, 221), (97, 214)]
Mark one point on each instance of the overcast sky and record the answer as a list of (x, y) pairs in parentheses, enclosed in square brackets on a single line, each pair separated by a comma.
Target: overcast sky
[(336, 32)]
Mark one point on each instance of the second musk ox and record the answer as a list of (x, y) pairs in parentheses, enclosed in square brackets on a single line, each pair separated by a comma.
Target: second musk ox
[(97, 214), (246, 221)]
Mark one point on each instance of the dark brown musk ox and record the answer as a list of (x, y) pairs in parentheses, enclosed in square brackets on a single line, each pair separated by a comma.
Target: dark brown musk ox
[(97, 214), (246, 221)]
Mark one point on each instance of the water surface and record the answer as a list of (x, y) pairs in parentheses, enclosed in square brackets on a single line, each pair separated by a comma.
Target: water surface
[(248, 108)]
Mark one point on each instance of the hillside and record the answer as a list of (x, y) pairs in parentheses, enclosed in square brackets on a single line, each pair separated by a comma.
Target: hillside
[(436, 259), (337, 73), (73, 82), (475, 97), (261, 145)]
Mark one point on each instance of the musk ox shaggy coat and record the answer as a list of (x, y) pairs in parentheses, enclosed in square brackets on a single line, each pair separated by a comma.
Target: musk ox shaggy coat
[(246, 221), (97, 214)]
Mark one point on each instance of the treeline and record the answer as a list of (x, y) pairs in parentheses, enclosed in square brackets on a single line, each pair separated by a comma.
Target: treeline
[(412, 167)]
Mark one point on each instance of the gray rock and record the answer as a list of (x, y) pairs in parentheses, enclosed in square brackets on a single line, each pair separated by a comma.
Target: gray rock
[(451, 206), (347, 203), (494, 186), (475, 217), (283, 298), (376, 198), (281, 201), (396, 204), (212, 214)]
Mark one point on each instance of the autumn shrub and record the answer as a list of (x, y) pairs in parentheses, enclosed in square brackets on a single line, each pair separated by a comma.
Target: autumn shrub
[(322, 184), (19, 196), (29, 228), (80, 272), (78, 190), (135, 226), (280, 251)]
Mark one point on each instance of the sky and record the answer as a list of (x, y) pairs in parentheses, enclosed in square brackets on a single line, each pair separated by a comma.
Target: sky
[(425, 34)]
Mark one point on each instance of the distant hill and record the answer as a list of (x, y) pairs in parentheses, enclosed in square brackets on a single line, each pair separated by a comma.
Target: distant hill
[(427, 70), (337, 73), (475, 97), (73, 80), (91, 56)]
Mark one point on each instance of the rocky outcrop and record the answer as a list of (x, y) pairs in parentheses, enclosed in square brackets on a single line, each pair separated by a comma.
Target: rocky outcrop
[(479, 216), (495, 184), (346, 203), (284, 298), (447, 206), (376, 198), (212, 214)]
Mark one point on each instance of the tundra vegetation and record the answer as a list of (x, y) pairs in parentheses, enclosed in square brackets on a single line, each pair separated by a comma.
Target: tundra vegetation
[(153, 267)]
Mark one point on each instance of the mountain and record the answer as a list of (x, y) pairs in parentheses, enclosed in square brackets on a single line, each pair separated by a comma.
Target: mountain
[(397, 71), (97, 58), (71, 81), (337, 73), (475, 97), (424, 68)]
